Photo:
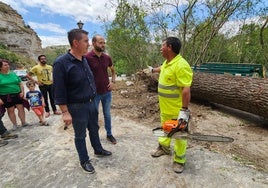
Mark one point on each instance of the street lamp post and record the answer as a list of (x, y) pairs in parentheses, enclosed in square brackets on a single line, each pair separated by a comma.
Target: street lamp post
[(80, 24)]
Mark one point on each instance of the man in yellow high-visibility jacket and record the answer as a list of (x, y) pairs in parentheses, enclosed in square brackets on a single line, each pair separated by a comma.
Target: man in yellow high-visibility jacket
[(174, 95)]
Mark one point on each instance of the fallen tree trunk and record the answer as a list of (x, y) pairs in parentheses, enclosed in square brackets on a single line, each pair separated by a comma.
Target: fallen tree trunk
[(243, 93)]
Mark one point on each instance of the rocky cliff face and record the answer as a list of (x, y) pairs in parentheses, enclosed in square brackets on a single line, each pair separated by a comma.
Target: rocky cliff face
[(18, 37)]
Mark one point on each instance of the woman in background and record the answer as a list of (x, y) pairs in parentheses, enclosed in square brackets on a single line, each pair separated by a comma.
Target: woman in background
[(11, 94)]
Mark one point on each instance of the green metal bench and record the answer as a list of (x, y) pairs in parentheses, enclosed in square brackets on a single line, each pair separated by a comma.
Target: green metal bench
[(231, 68)]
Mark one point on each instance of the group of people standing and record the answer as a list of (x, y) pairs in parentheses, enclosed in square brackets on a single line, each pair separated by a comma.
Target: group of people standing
[(13, 96), (78, 82), (81, 82)]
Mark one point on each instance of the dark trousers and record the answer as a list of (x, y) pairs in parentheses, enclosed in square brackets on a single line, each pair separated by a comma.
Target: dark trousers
[(85, 117), (46, 91), (2, 127)]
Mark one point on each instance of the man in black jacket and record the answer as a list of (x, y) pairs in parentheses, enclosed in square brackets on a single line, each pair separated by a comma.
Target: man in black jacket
[(74, 92)]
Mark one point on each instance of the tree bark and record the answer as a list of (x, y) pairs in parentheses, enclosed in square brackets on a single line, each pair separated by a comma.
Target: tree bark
[(243, 93)]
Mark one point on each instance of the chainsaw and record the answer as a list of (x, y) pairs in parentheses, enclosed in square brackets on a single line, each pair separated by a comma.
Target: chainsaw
[(178, 129)]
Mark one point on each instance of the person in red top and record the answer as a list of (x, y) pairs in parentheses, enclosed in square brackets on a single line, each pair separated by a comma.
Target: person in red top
[(99, 63)]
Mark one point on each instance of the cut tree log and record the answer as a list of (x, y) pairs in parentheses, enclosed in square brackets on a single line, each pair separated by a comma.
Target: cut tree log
[(243, 93)]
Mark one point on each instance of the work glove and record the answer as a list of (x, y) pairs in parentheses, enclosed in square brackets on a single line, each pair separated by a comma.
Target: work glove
[(184, 115), (148, 70), (183, 119)]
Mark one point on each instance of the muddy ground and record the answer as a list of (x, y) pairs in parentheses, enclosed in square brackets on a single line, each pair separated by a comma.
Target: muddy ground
[(46, 156)]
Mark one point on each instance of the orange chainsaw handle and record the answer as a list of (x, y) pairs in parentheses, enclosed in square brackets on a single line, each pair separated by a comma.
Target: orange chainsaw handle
[(181, 126)]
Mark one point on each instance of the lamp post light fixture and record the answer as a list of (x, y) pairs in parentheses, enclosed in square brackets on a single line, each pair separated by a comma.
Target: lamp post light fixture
[(80, 24)]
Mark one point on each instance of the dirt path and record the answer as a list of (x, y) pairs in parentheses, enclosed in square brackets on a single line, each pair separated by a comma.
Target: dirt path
[(46, 157)]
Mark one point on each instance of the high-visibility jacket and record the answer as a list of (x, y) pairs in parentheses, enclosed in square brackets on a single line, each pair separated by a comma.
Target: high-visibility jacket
[(173, 77)]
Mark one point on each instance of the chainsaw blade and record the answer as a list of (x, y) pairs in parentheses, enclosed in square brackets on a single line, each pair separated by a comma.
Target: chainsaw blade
[(201, 137), (159, 133), (185, 135)]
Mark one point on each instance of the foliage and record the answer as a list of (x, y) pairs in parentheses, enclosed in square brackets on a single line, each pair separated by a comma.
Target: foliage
[(3, 46), (197, 23), (16, 60), (8, 55), (127, 37), (120, 67), (53, 52), (245, 47), (251, 50), (134, 36)]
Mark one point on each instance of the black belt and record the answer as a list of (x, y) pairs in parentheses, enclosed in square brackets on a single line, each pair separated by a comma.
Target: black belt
[(82, 100)]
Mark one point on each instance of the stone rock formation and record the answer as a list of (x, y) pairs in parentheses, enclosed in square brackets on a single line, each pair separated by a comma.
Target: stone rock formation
[(17, 36)]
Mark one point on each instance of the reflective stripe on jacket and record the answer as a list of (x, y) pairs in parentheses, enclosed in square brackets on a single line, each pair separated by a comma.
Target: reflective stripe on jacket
[(173, 77)]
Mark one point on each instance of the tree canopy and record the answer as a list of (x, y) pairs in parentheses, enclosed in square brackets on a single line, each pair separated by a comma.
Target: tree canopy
[(134, 36)]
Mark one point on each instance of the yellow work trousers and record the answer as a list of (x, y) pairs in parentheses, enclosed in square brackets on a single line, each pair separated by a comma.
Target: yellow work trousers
[(180, 145)]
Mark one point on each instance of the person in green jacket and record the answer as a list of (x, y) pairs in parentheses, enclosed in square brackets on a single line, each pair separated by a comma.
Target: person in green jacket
[(11, 94)]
